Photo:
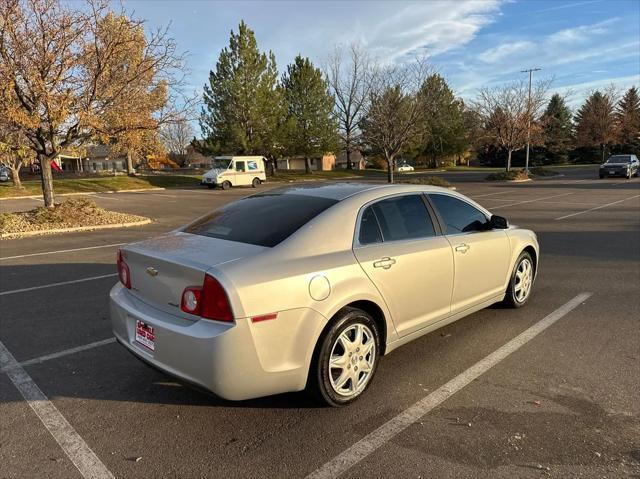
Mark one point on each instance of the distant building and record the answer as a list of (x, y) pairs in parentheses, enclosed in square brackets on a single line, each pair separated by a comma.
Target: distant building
[(356, 157), (296, 163), (194, 159), (95, 159)]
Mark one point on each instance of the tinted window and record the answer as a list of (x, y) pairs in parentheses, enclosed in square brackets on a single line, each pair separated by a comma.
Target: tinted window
[(263, 220), (239, 165), (403, 217), (459, 217), (369, 229)]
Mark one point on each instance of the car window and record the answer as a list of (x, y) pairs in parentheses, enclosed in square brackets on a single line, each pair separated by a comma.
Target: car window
[(369, 229), (263, 220), (252, 165), (403, 217), (459, 216), (239, 165)]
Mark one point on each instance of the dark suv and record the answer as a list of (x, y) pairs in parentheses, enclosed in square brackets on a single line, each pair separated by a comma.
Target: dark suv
[(620, 165)]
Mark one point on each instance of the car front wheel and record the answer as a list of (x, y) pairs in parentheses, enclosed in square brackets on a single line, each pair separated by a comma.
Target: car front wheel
[(226, 185), (346, 358), (521, 282)]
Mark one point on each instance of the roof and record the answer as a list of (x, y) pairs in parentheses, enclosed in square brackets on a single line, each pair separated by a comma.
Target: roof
[(340, 191)]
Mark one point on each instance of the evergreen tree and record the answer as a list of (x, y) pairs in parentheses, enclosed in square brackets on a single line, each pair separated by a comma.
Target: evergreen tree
[(627, 118), (556, 123), (594, 122), (242, 101), (311, 126), (444, 129)]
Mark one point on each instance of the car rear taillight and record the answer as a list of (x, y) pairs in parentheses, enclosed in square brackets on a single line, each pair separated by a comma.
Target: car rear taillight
[(123, 271), (208, 301)]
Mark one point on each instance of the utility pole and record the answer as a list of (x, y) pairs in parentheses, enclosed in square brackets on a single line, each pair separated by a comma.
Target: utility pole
[(529, 71)]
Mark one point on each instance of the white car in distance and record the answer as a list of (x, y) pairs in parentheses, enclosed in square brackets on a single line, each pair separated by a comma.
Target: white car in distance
[(405, 167)]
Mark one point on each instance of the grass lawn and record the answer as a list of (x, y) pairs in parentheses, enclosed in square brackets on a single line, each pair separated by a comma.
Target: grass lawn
[(107, 183)]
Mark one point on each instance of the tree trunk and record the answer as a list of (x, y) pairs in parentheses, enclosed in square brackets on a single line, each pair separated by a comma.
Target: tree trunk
[(509, 161), (15, 175), (603, 149), (46, 179), (272, 166), (307, 165), (130, 170), (349, 165), (390, 164)]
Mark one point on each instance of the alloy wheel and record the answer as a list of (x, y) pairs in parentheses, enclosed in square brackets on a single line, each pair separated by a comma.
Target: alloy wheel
[(351, 361), (523, 280)]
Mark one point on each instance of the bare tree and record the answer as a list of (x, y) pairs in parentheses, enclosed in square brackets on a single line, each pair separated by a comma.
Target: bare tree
[(72, 74), (395, 112), (350, 83), (176, 137), (506, 114)]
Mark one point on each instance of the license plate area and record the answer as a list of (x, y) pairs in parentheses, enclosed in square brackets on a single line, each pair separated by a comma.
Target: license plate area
[(145, 335)]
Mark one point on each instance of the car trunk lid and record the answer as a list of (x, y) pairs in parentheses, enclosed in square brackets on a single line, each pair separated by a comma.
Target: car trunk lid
[(161, 268)]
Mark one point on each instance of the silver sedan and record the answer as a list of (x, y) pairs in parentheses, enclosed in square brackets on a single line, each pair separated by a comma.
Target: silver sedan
[(306, 288)]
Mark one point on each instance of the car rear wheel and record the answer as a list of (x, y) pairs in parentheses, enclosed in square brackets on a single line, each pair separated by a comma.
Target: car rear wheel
[(346, 358), (521, 282), (226, 185), (255, 183)]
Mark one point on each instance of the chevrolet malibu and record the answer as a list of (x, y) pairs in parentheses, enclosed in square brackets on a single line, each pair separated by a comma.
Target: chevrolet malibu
[(307, 287)]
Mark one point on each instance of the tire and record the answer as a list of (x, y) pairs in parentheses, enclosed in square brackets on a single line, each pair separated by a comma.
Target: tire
[(601, 176), (325, 382), (515, 297), (211, 186), (255, 182), (226, 185)]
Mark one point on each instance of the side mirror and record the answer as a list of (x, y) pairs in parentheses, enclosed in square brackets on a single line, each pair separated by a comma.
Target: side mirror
[(498, 222)]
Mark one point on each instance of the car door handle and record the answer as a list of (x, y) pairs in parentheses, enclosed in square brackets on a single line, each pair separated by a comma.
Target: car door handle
[(384, 263), (463, 248)]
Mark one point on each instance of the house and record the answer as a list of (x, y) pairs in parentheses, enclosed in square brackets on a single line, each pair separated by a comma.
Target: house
[(296, 163), (96, 158), (357, 160), (195, 159)]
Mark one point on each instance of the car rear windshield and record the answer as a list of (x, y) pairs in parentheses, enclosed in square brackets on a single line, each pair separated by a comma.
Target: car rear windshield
[(263, 220)]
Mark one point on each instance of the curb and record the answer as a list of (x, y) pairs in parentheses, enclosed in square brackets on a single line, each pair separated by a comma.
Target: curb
[(26, 234), (88, 193)]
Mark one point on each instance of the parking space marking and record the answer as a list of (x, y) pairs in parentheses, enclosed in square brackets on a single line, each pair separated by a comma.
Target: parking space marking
[(60, 354), (491, 194), (65, 435), (61, 251), (596, 208), (62, 283), (530, 201), (368, 444)]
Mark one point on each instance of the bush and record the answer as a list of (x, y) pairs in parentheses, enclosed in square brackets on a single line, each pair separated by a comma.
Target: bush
[(512, 175), (427, 180)]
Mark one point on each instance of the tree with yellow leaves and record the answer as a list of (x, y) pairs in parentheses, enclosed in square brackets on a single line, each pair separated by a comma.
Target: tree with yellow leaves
[(71, 75)]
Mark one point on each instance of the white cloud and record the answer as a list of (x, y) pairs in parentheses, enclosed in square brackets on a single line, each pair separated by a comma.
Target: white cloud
[(581, 33), (505, 51)]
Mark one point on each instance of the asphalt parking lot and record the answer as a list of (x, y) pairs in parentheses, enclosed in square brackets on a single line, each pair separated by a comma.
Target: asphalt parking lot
[(562, 404)]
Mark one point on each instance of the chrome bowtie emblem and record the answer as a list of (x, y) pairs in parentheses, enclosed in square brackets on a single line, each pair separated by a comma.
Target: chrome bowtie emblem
[(151, 271)]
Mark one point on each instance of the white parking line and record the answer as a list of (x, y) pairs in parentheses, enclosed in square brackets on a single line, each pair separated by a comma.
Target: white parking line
[(51, 285), (60, 354), (491, 194), (65, 435), (530, 201), (367, 445), (61, 251), (596, 208)]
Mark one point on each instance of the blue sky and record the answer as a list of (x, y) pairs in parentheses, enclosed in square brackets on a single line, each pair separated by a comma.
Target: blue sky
[(584, 44)]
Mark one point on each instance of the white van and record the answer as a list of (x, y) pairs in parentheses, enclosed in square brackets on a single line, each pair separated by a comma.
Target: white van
[(231, 171)]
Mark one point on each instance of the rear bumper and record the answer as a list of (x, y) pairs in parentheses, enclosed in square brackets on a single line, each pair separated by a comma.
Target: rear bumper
[(235, 361)]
